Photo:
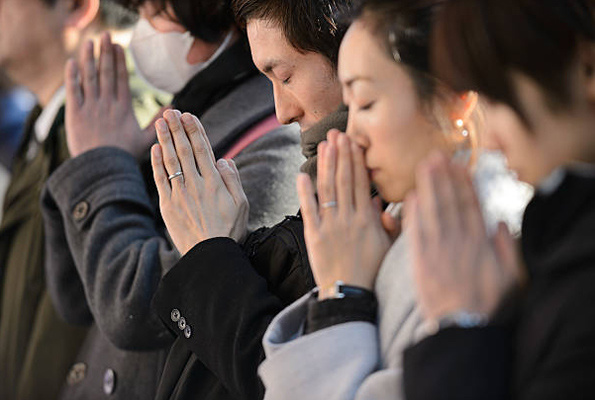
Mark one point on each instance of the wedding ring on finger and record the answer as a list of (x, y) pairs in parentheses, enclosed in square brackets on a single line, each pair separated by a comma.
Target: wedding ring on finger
[(176, 175), (329, 204)]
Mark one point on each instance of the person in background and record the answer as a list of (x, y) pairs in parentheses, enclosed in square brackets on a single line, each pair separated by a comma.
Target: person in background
[(107, 244), (15, 105), (535, 62), (345, 339), (36, 39)]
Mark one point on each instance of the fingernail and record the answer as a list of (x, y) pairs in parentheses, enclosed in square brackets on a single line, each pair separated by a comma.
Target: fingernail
[(222, 163), (178, 113), (187, 118), (161, 125)]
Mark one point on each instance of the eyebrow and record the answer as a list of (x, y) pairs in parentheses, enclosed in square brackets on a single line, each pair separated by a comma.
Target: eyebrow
[(349, 82), (270, 66)]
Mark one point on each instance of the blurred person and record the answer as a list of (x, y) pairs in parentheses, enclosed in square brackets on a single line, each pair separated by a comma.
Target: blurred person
[(242, 283), (15, 104), (345, 339), (510, 330), (107, 243), (36, 39)]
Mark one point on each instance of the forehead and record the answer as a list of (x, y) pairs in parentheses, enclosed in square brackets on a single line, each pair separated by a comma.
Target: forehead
[(268, 42), (361, 55)]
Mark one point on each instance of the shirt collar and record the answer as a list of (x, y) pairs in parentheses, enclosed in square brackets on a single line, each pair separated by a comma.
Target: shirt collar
[(48, 115)]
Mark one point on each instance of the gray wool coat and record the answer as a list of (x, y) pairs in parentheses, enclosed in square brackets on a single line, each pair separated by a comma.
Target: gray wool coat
[(107, 248)]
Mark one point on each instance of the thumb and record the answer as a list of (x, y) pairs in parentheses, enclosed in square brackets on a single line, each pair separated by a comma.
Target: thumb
[(506, 250), (392, 221)]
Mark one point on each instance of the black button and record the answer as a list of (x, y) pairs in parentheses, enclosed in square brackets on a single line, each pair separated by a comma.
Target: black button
[(175, 315), (187, 331), (182, 323)]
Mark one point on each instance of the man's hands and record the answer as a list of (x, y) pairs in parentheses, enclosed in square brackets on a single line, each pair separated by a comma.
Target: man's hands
[(99, 105), (207, 199)]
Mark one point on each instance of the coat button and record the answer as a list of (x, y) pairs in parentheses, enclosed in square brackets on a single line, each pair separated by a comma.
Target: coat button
[(76, 374), (187, 331), (80, 211), (109, 381), (175, 315), (182, 323)]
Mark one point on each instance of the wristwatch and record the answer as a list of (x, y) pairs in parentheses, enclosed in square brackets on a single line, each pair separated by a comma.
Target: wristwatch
[(459, 319), (340, 290)]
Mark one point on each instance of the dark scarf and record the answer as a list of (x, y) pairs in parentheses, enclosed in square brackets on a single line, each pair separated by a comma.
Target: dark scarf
[(313, 136), (231, 68)]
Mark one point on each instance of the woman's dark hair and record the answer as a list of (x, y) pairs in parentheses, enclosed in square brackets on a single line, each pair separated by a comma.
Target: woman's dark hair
[(404, 29), (478, 44), (308, 25), (207, 20)]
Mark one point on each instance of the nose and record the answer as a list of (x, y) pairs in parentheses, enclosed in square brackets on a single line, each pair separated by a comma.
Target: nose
[(355, 133), (286, 106)]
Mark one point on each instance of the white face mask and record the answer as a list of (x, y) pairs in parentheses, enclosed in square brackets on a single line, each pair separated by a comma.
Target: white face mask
[(160, 58)]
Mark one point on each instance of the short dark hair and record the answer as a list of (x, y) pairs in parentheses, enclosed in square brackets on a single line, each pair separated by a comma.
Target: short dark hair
[(112, 15), (207, 20), (478, 43), (404, 29), (308, 25)]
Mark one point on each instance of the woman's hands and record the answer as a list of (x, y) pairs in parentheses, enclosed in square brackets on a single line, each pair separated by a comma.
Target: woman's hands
[(99, 105), (457, 267), (345, 237), (205, 201)]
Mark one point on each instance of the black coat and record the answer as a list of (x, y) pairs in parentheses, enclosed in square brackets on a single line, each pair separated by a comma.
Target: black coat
[(227, 296), (547, 351)]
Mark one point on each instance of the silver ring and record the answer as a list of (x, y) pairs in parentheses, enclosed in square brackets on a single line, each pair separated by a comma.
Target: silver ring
[(179, 173), (329, 204)]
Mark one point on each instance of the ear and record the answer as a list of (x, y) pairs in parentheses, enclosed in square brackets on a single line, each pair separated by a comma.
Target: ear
[(586, 53), (82, 13)]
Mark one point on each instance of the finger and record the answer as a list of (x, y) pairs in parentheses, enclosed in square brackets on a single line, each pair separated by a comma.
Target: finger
[(361, 179), (326, 175), (445, 198), (426, 199), (468, 203), (170, 158), (107, 63), (203, 154), (122, 84), (182, 145), (90, 72), (234, 167), (159, 173), (231, 181), (74, 94), (414, 231), (205, 137), (344, 179), (307, 202), (506, 249)]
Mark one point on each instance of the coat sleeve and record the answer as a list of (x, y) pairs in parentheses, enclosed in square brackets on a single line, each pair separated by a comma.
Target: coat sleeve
[(215, 301), (116, 244), (460, 363), (328, 364)]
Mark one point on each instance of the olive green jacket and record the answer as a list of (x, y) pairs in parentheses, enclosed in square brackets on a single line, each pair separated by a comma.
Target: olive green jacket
[(36, 346)]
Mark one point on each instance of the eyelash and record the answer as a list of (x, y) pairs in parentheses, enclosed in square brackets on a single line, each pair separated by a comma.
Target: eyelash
[(367, 106)]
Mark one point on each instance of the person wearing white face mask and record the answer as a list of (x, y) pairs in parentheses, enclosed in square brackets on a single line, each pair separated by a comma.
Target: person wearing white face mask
[(107, 245)]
